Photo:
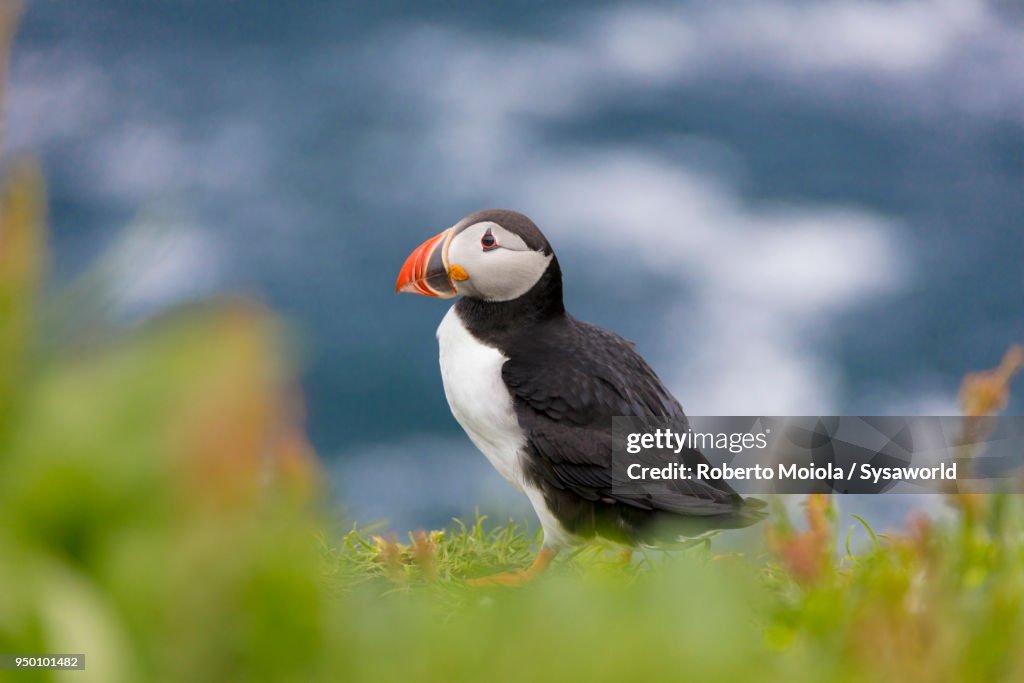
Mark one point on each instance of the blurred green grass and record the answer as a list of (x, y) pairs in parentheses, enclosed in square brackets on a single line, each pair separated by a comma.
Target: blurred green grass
[(162, 513)]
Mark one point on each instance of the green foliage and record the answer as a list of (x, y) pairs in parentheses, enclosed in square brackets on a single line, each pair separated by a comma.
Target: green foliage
[(942, 602)]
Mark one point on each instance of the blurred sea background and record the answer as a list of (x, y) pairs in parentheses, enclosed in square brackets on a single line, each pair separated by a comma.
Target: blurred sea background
[(792, 208)]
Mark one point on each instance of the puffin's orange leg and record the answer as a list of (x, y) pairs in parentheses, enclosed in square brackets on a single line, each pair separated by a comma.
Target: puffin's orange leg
[(626, 556), (517, 577)]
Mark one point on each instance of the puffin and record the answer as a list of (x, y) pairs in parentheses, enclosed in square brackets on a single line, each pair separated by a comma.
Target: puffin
[(536, 389)]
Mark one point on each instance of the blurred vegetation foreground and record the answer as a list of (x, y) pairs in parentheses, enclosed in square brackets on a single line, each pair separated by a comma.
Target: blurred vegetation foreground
[(161, 513)]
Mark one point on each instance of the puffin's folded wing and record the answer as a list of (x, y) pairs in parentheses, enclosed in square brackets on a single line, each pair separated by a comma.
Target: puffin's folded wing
[(565, 404), (583, 374), (579, 459)]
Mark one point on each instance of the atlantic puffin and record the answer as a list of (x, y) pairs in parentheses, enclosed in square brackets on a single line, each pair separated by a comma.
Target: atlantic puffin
[(535, 390)]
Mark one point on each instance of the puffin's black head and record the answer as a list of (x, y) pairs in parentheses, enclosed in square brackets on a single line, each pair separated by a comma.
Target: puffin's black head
[(492, 255)]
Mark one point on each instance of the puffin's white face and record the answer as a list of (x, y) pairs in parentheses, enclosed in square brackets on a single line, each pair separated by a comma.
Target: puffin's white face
[(482, 260), (486, 261)]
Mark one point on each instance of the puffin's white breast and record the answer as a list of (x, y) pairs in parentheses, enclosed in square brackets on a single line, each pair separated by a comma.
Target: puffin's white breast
[(478, 397)]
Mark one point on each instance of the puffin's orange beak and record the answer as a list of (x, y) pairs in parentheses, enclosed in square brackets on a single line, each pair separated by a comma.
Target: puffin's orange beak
[(426, 270)]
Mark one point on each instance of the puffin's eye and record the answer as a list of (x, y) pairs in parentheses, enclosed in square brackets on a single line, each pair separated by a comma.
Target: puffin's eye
[(487, 241)]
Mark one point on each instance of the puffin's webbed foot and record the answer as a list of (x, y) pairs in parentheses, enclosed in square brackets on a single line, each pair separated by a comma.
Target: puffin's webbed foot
[(517, 577)]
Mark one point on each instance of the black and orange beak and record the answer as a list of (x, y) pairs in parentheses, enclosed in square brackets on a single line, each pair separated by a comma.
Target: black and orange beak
[(426, 270)]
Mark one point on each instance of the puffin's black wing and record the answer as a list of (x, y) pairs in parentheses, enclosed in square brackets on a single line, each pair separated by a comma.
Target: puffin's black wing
[(567, 382)]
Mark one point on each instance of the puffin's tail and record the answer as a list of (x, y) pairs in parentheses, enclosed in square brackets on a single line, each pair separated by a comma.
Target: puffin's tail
[(667, 530), (752, 511)]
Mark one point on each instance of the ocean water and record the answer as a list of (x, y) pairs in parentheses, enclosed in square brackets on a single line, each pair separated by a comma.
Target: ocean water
[(792, 208)]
